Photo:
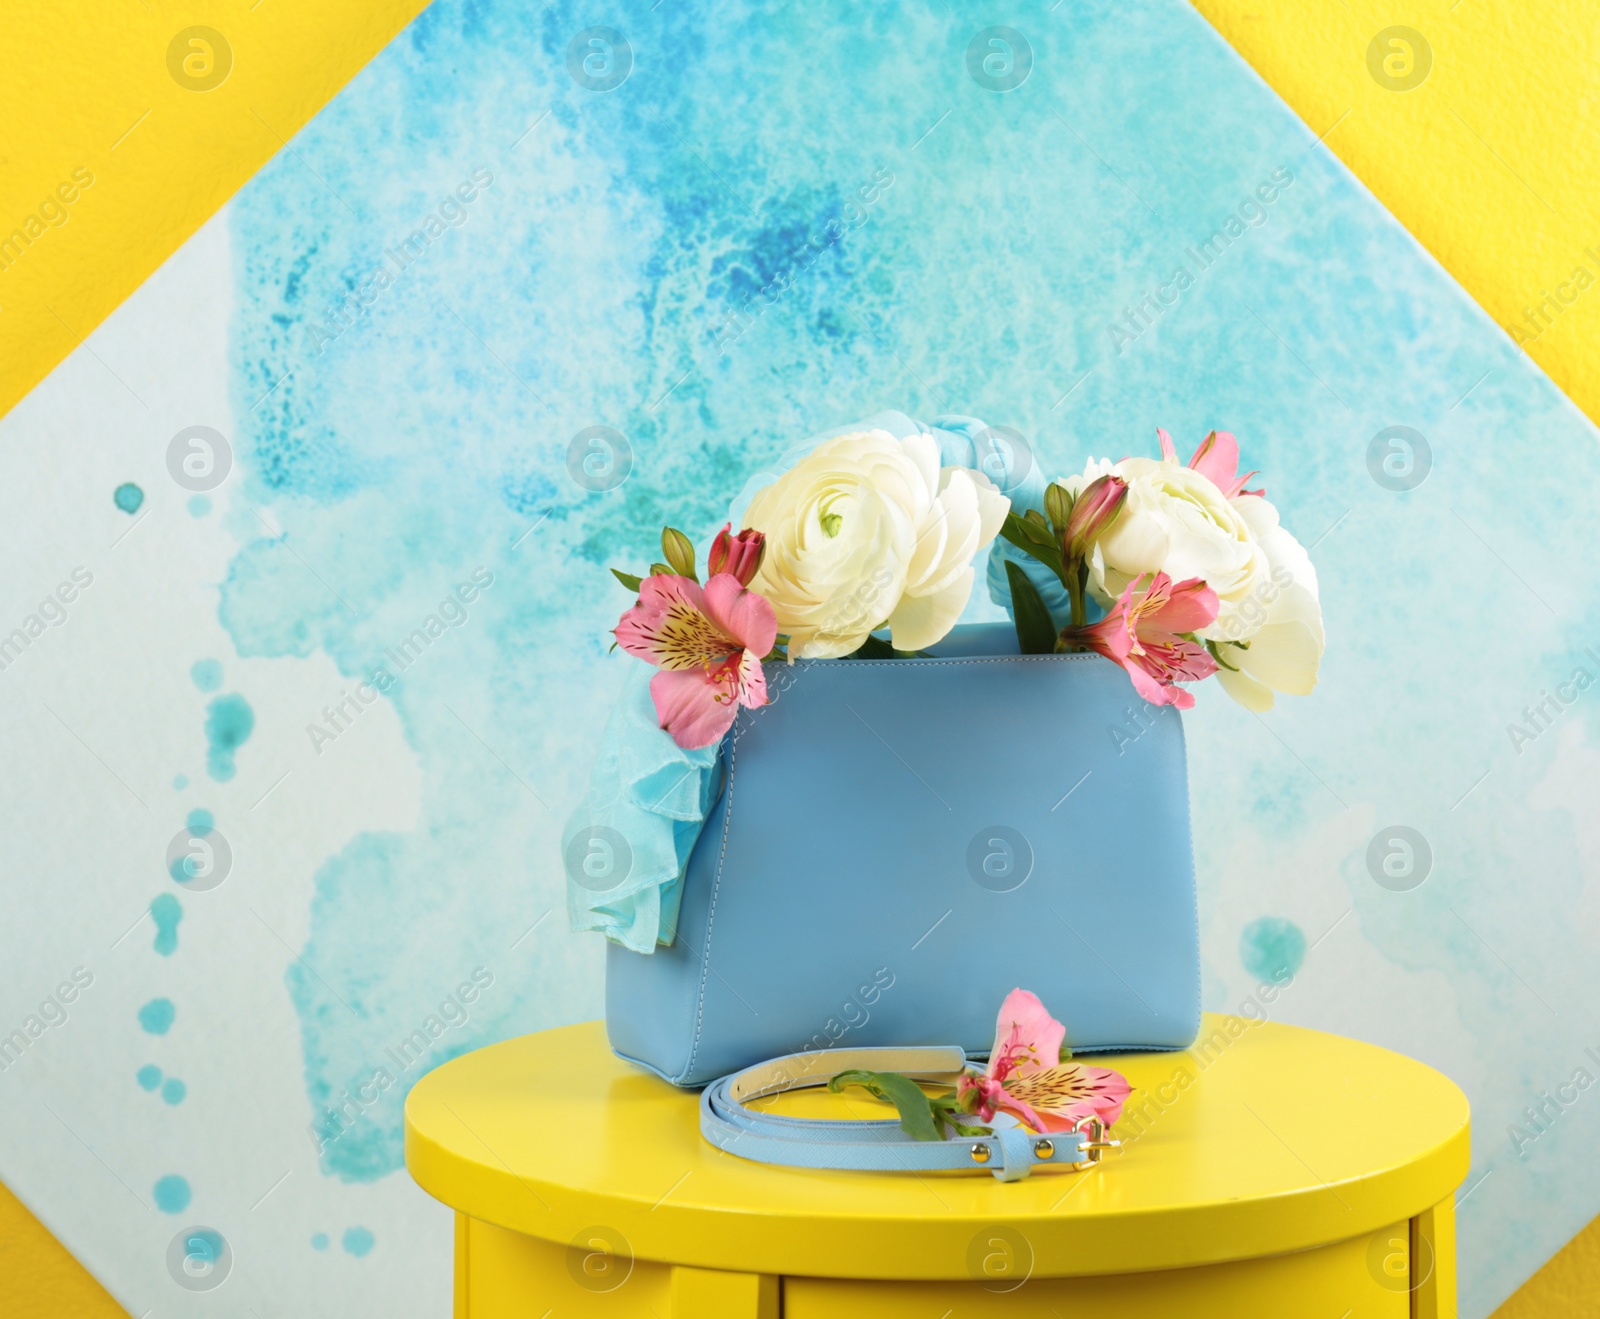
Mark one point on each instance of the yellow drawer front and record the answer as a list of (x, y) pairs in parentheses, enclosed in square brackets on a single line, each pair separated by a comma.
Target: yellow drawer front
[(505, 1275), (511, 1276), (1349, 1280)]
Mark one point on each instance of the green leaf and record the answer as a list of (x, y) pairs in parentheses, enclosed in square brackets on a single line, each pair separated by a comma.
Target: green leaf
[(1037, 531), (917, 1118), (1036, 631), (678, 550), (915, 1109), (627, 579), (1027, 539)]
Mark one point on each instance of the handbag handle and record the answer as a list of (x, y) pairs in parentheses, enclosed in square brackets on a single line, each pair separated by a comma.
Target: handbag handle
[(1010, 1152)]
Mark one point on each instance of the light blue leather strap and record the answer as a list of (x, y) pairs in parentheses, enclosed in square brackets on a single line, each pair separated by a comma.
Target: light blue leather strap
[(1010, 1152)]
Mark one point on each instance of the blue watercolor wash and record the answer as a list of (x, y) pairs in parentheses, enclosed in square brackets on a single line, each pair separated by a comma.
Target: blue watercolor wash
[(180, 782), (207, 674), (357, 1241), (199, 505), (128, 497), (156, 1016), (174, 1090), (201, 822), (1272, 949), (172, 1194), (166, 911), (379, 504), (148, 1076), (319, 1241), (229, 723)]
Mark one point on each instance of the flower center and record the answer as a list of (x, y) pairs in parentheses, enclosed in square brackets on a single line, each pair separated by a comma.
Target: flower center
[(723, 676), (690, 640)]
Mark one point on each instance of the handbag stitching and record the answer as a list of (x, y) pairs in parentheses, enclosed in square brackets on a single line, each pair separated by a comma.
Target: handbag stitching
[(711, 914)]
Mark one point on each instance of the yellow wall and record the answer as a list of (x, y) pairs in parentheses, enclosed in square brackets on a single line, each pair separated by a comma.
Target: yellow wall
[(1489, 160), (42, 1281), (103, 88), (1568, 1287)]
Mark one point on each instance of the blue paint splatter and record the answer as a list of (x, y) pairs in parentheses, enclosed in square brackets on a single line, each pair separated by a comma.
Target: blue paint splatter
[(1272, 949), (156, 1016), (180, 782), (166, 911), (357, 1241), (174, 1090), (319, 1241), (128, 497), (186, 866), (203, 1247), (207, 674), (148, 1076), (199, 506), (172, 1194), (229, 723)]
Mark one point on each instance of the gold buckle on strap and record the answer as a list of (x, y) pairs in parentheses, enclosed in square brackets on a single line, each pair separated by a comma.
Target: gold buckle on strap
[(1097, 1144)]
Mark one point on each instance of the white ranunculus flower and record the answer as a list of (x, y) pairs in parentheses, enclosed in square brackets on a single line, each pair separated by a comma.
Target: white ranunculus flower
[(867, 530), (1175, 521), (1281, 621)]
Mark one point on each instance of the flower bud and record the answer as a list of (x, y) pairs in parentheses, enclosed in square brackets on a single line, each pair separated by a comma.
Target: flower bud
[(678, 551), (1057, 505), (1093, 513), (741, 555)]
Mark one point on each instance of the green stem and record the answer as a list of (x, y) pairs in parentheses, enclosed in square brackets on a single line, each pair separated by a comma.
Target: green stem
[(1075, 593), (1076, 578)]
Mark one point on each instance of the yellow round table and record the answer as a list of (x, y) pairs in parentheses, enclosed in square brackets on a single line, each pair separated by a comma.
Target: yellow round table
[(1267, 1170)]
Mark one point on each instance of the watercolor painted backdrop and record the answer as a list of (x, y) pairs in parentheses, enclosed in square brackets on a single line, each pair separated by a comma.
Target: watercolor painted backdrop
[(303, 645)]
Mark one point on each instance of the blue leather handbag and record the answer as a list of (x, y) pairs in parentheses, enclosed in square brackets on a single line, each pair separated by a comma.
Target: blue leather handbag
[(899, 843)]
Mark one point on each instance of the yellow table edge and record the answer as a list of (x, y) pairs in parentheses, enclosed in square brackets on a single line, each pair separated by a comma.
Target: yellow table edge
[(929, 1246)]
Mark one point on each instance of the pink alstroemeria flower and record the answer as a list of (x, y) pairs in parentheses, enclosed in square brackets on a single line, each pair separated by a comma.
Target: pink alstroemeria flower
[(1141, 633), (708, 644), (1027, 1078), (1217, 459)]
